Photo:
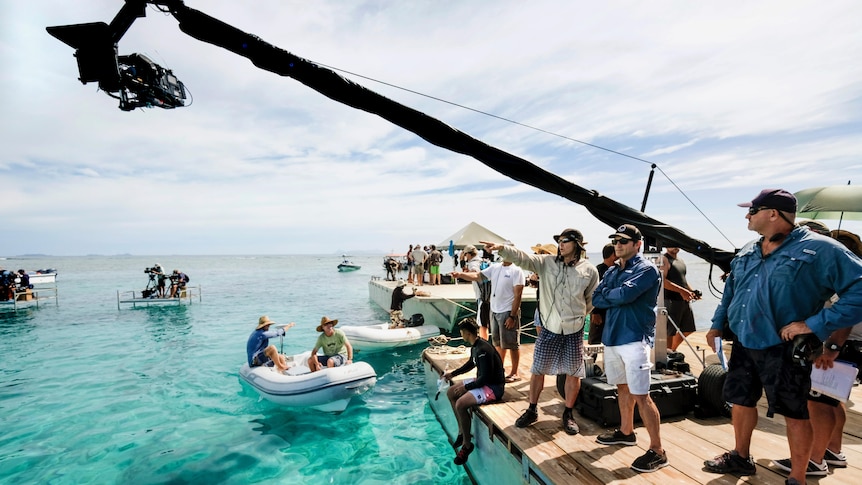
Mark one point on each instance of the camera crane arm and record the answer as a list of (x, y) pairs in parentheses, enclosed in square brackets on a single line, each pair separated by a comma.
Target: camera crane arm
[(89, 41)]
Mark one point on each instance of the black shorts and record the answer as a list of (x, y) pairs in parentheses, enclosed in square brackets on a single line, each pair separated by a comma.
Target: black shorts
[(851, 353), (751, 372), (680, 312)]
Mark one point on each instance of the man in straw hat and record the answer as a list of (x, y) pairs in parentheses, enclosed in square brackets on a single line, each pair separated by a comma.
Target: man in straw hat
[(258, 349), (775, 291), (337, 350), (566, 281)]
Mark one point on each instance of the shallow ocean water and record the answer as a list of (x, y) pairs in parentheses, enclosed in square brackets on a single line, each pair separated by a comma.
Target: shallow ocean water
[(93, 394)]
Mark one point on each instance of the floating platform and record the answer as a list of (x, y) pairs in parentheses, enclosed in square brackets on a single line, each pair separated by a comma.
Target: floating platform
[(544, 454), (187, 295)]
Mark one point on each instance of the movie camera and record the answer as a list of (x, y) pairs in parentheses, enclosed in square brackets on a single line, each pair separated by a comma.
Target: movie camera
[(134, 79)]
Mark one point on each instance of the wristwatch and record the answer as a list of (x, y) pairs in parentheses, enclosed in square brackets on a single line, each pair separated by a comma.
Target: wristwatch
[(832, 346)]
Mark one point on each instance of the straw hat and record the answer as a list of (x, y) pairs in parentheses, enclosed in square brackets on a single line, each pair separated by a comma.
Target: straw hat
[(401, 283), (544, 249), (263, 322), (324, 321), (849, 239)]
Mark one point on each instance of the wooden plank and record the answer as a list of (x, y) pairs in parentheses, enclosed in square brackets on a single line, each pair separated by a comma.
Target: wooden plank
[(687, 440)]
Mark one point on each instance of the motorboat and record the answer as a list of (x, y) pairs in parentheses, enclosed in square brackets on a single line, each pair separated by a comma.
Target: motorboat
[(328, 389), (43, 277), (377, 338), (346, 266)]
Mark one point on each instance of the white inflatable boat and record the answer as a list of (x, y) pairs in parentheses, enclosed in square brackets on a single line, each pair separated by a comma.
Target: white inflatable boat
[(329, 389), (377, 338)]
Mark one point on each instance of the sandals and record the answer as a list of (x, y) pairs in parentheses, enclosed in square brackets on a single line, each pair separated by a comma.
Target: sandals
[(513, 378), (462, 455)]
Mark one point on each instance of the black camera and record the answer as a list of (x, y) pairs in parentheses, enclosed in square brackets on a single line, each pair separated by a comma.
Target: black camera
[(806, 348), (697, 294)]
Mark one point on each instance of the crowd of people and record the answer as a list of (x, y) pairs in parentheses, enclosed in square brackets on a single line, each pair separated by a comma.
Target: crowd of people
[(813, 288), (796, 280)]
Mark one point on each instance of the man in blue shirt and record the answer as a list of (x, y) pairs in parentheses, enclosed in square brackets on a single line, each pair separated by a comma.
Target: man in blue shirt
[(775, 291), (259, 351), (628, 291)]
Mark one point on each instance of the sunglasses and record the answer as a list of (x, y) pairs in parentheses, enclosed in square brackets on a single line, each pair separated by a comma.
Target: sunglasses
[(622, 241), (755, 210)]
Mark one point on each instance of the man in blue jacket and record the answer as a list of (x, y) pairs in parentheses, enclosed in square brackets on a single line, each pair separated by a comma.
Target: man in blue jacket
[(628, 291), (775, 291)]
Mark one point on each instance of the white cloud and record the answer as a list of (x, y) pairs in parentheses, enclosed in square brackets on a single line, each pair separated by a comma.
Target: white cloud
[(727, 98)]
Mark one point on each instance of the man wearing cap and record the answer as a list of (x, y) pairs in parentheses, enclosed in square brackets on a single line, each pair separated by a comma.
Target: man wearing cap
[(337, 350), (399, 295), (628, 292), (258, 350), (566, 282), (775, 291)]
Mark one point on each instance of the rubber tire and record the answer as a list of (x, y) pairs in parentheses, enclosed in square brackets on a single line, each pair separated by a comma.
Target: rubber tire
[(710, 388)]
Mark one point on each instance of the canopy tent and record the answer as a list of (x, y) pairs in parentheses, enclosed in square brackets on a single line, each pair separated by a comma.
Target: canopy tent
[(472, 233)]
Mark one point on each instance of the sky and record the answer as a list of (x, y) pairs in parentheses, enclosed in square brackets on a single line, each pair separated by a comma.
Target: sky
[(724, 97)]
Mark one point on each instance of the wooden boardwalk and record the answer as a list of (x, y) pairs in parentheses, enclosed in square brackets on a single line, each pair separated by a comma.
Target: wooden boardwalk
[(688, 441)]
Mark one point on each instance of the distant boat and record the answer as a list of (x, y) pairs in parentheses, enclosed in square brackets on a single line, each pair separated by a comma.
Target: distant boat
[(346, 265)]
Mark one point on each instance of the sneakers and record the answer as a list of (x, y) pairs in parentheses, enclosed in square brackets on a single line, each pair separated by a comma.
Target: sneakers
[(617, 438), (459, 440), (529, 417), (835, 460), (813, 470), (463, 454), (650, 462), (731, 462), (569, 424)]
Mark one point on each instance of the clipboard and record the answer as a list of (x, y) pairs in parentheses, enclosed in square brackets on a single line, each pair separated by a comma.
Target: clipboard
[(836, 382)]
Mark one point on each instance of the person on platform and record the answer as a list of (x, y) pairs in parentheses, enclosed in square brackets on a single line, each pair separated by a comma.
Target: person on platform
[(567, 281), (677, 297), (628, 291), (258, 349), (487, 387), (597, 317), (337, 350), (472, 263), (775, 291), (507, 288), (399, 296), (828, 415)]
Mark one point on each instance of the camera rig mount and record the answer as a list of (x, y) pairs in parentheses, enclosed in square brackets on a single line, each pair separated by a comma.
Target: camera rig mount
[(134, 79)]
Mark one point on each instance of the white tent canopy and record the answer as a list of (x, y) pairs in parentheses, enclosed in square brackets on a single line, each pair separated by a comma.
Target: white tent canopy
[(472, 233)]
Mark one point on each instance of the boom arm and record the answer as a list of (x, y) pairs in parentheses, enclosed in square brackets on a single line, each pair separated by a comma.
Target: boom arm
[(330, 84)]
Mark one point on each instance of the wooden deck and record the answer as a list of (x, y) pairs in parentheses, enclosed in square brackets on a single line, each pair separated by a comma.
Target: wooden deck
[(562, 459)]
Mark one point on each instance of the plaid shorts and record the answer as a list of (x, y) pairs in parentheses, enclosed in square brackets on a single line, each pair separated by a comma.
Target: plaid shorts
[(559, 354)]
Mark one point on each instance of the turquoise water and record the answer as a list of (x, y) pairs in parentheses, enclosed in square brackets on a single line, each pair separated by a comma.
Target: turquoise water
[(93, 394)]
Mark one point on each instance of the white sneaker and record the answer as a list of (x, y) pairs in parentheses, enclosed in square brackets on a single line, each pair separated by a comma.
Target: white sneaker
[(837, 460), (813, 470)]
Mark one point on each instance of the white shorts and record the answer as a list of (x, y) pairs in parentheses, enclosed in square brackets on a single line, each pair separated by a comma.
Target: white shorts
[(629, 364), (483, 394)]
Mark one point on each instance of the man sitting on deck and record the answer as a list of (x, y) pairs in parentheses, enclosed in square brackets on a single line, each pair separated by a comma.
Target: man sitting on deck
[(488, 386)]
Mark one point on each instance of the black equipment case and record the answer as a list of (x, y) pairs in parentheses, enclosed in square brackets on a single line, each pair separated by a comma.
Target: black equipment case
[(673, 393)]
